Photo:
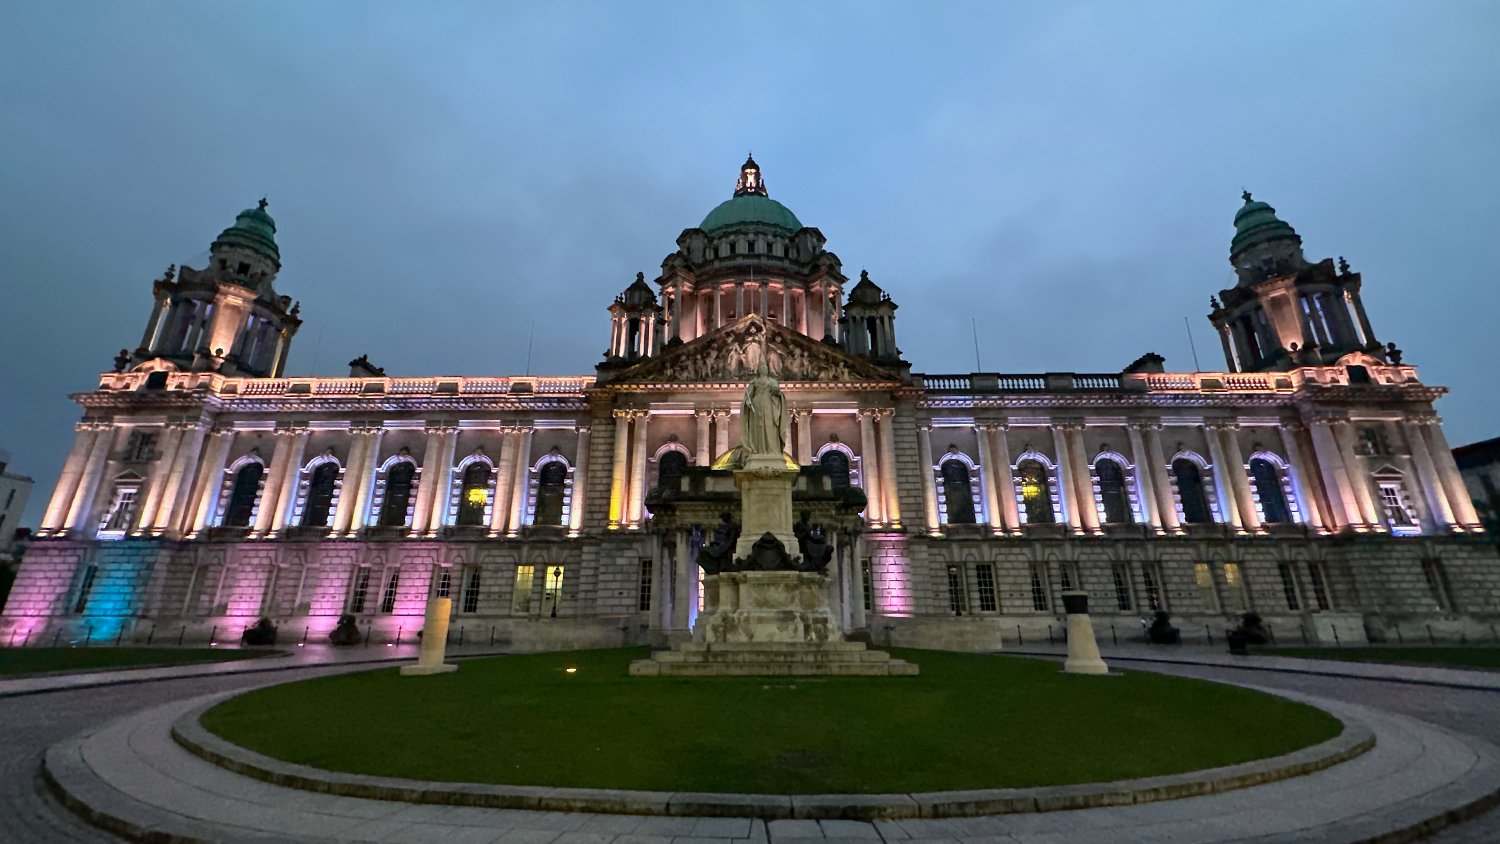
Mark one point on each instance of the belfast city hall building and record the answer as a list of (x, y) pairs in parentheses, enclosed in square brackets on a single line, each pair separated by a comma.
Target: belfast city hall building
[(1308, 481)]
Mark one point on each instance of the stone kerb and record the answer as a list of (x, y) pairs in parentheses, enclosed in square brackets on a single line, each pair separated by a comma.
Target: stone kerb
[(1355, 740)]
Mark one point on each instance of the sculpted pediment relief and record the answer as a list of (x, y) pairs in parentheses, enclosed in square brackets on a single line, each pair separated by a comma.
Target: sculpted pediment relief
[(733, 352)]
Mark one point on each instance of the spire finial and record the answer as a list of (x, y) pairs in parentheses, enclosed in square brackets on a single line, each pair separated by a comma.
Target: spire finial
[(750, 181), (1245, 195), (263, 203)]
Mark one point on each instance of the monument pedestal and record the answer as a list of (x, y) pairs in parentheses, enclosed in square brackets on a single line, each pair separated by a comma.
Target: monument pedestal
[(434, 641), (765, 485)]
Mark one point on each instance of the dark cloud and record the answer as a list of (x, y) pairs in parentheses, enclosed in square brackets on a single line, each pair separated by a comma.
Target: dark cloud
[(445, 176)]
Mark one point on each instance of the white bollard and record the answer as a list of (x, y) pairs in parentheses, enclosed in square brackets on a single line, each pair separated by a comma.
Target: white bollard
[(434, 641), (1083, 650)]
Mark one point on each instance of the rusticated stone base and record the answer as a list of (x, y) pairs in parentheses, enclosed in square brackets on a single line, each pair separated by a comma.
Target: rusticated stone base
[(836, 659)]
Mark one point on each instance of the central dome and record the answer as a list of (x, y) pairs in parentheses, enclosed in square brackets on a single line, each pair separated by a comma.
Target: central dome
[(751, 209)]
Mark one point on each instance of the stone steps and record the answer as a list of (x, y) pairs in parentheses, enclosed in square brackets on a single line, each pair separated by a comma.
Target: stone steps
[(771, 656), (772, 659)]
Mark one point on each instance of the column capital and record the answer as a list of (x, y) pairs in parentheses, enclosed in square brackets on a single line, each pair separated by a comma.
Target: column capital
[(800, 412), (703, 412), (1423, 417), (1329, 417), (1222, 424), (1144, 424), (440, 428), (582, 429), (992, 424), (95, 424), (1067, 424)]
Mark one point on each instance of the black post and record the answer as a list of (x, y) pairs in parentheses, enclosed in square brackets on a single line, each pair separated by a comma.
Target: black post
[(27, 639), (398, 636), (492, 635), (56, 636), (181, 633), (152, 634), (460, 635), (1335, 629), (1209, 633), (1304, 636), (1019, 641), (1399, 639), (305, 631), (88, 633), (213, 636), (1493, 635), (367, 635), (1112, 634), (1049, 635), (12, 638), (1271, 633), (1430, 640), (120, 634)]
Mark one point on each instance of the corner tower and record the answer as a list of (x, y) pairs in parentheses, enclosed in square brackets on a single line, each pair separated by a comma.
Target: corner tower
[(1285, 312), (226, 317)]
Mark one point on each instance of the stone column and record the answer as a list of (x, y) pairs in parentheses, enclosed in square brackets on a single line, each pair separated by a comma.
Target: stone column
[(739, 299), (1145, 488), (1335, 476), (804, 436), (1065, 479), (1088, 509), (674, 302), (1228, 351), (287, 500), (888, 487), (213, 479), (504, 471), (367, 473), (869, 468), (432, 458), (987, 477), (682, 596), (1229, 510), (718, 294), (857, 574), (1297, 467), (579, 502), (1453, 482), (359, 446), (722, 421), (828, 316), (81, 511), (1240, 477), (67, 484), (1359, 476), (172, 515), (786, 306), (521, 483), (620, 469), (157, 322), (1359, 312), (929, 487), (160, 475), (270, 489), (443, 482), (703, 418), (638, 471), (1427, 475), (1005, 477), (434, 641), (1159, 470)]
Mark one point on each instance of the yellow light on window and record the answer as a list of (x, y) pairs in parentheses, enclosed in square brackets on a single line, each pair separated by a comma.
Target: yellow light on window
[(477, 497), (1030, 489)]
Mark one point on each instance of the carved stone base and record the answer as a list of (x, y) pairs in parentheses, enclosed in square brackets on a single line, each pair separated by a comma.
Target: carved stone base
[(765, 485)]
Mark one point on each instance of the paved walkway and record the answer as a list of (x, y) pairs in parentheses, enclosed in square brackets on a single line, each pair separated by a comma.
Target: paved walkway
[(133, 771), (1220, 656), (310, 656)]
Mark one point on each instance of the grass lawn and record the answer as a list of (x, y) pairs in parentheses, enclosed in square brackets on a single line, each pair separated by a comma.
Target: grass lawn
[(969, 721), (41, 660), (1485, 658)]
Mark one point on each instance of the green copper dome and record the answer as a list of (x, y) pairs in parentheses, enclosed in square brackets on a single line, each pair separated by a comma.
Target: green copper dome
[(751, 208), (255, 229), (1256, 222)]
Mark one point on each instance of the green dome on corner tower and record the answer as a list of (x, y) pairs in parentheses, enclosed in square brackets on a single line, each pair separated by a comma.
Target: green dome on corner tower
[(751, 204), (253, 228), (1256, 222)]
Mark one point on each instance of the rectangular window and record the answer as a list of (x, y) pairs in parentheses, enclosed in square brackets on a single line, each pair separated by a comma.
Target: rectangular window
[(1319, 586), (643, 602), (471, 591), (1151, 580), (121, 510), (1234, 580), (1066, 580), (361, 588), (1397, 514), (520, 603), (701, 596), (984, 576), (1122, 587), (957, 600), (85, 588), (1205, 578), (1038, 588), (868, 584), (445, 582), (1289, 586), (552, 594), (1437, 581), (388, 600)]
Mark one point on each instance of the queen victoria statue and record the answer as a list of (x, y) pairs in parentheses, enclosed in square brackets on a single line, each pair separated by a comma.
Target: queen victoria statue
[(763, 415)]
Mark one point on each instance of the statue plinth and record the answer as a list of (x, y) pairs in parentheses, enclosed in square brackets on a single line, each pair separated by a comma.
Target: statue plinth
[(765, 485), (765, 607)]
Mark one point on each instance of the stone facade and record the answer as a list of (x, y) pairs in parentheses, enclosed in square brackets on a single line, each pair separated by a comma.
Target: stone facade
[(1315, 488)]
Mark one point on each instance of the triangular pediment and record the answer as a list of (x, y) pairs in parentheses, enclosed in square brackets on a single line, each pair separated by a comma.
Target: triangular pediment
[(732, 353)]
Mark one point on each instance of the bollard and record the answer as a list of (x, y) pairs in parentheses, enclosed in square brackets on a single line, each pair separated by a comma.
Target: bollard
[(151, 634), (305, 631), (1112, 636), (119, 635), (367, 635), (12, 638), (213, 636), (398, 636), (460, 636), (88, 633), (434, 641), (1083, 650), (1304, 635), (1493, 635), (1019, 640), (1209, 633), (492, 635), (1430, 640), (180, 634), (1049, 635)]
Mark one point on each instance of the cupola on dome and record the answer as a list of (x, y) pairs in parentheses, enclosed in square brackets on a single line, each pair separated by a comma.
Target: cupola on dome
[(1256, 222), (751, 205), (255, 229)]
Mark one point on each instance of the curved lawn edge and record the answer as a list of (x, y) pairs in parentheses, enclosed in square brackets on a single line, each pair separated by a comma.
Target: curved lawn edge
[(1355, 739)]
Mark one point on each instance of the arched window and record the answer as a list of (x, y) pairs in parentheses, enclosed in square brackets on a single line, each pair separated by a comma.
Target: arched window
[(398, 485), (320, 494), (1190, 491), (551, 492), (1036, 492), (670, 468), (958, 492), (474, 493), (244, 496), (1268, 489), (1113, 494), (836, 463)]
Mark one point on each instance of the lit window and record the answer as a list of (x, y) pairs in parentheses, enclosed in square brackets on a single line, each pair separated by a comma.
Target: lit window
[(474, 494), (1204, 576), (1234, 580), (1035, 492), (552, 594), (117, 521), (521, 598)]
